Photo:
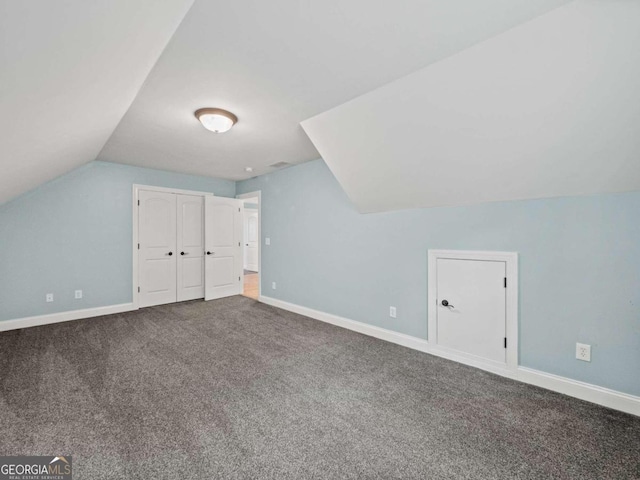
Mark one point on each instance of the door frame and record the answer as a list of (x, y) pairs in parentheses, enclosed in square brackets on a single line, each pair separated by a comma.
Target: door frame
[(511, 262), (242, 196), (135, 216)]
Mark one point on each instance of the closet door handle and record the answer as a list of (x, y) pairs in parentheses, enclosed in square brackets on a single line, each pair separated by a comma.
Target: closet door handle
[(211, 253), (183, 253), (170, 253)]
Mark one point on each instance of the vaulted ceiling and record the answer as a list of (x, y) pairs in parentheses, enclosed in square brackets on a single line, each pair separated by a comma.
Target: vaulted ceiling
[(68, 73), (411, 103), (548, 108), (277, 63)]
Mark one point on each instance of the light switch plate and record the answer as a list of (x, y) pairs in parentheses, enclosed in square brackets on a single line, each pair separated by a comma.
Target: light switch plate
[(267, 241)]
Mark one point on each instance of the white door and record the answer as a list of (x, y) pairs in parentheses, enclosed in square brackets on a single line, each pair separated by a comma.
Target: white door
[(223, 245), (471, 307), (190, 247), (157, 256), (245, 233), (252, 237)]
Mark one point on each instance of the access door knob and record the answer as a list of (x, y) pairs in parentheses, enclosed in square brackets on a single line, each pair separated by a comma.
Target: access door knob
[(445, 303), (211, 253), (170, 253), (182, 253)]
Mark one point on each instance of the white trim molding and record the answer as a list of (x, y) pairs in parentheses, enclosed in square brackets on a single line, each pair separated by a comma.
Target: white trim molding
[(582, 390), (256, 194), (137, 186), (585, 391), (511, 262), (47, 319)]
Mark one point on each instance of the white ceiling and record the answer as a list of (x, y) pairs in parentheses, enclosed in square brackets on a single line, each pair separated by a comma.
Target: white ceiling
[(279, 62), (492, 100), (548, 108), (68, 72)]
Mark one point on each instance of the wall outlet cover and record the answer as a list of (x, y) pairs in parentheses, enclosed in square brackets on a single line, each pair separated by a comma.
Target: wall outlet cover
[(392, 312), (49, 297), (273, 285), (78, 294), (583, 352), (267, 241)]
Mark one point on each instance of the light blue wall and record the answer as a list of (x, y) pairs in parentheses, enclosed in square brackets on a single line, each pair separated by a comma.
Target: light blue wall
[(579, 258), (75, 233), (579, 266)]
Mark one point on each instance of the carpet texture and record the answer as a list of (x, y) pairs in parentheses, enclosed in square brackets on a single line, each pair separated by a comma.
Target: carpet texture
[(238, 389)]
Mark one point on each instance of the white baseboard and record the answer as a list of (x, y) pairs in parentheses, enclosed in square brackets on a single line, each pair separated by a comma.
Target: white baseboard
[(582, 390), (574, 388), (389, 335), (64, 316)]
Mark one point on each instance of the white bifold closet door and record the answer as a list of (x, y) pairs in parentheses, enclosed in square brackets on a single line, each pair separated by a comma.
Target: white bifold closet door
[(171, 252), (223, 238), (157, 249), (190, 247), (174, 231)]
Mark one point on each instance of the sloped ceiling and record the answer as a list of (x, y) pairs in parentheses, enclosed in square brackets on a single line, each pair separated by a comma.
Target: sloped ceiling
[(68, 72), (545, 109), (490, 100), (278, 62)]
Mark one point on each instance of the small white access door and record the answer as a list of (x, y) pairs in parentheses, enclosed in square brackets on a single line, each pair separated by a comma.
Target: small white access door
[(190, 247), (157, 257), (251, 240), (471, 307), (223, 246)]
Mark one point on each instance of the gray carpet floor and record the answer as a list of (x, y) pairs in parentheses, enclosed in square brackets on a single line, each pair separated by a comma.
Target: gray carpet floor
[(238, 389)]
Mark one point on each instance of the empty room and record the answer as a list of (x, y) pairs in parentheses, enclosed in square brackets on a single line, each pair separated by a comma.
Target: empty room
[(316, 240)]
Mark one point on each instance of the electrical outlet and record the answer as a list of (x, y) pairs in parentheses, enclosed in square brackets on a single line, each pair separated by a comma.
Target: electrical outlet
[(273, 285), (267, 241), (78, 294), (392, 312), (583, 352), (49, 297)]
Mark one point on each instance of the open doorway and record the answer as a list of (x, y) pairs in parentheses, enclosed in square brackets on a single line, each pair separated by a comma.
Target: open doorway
[(251, 244)]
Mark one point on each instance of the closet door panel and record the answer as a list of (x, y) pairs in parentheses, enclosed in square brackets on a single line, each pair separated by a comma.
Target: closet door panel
[(190, 247), (157, 255)]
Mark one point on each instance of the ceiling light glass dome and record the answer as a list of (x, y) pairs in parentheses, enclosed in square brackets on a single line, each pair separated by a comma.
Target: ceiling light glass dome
[(216, 119)]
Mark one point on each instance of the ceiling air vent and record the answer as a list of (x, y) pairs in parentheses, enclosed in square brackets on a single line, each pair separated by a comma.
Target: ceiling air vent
[(280, 164)]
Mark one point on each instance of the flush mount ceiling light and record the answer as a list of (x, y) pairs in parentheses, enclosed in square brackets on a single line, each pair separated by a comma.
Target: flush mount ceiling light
[(216, 119)]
